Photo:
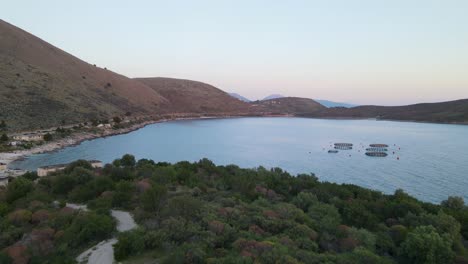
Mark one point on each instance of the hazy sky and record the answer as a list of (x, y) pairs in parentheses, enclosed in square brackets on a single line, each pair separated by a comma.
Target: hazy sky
[(368, 51)]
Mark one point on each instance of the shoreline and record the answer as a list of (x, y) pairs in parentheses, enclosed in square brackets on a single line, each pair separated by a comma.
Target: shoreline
[(80, 137)]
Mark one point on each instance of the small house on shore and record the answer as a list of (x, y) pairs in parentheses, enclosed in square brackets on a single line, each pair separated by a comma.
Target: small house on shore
[(29, 137), (46, 170), (3, 166), (4, 180)]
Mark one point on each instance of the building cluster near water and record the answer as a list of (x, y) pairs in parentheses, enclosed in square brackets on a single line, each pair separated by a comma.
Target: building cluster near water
[(45, 170)]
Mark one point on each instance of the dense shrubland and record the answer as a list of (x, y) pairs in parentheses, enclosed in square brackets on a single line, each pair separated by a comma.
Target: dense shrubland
[(202, 213)]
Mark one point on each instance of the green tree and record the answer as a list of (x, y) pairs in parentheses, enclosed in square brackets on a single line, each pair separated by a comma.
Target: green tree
[(117, 119), (4, 138), (425, 246), (304, 200), (454, 202), (3, 125), (62, 184), (47, 137), (89, 227), (151, 199), (128, 160), (123, 194), (129, 243), (18, 188), (326, 216)]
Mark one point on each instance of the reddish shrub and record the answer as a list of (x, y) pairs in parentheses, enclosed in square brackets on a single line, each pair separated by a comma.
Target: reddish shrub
[(20, 216), (256, 229), (216, 227), (143, 185), (39, 216), (19, 254), (270, 214), (347, 244)]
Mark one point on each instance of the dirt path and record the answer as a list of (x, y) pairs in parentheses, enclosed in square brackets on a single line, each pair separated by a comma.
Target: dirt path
[(103, 253)]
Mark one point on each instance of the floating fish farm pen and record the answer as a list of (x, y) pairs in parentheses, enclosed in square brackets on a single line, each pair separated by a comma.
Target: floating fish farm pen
[(343, 147), (343, 144), (376, 149), (333, 151), (379, 145), (376, 154)]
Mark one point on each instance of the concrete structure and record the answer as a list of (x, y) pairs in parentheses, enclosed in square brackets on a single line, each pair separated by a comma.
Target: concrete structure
[(104, 126), (29, 137), (46, 170), (4, 181)]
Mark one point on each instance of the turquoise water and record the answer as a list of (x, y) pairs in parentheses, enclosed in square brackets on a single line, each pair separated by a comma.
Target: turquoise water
[(432, 164)]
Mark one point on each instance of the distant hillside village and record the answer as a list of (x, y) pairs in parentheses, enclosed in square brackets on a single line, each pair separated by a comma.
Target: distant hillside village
[(28, 138)]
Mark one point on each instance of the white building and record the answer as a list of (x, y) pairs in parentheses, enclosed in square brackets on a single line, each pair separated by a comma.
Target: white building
[(46, 170)]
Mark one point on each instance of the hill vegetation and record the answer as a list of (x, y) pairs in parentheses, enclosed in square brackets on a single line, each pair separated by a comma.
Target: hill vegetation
[(444, 112), (203, 213), (43, 86), (288, 105), (186, 96)]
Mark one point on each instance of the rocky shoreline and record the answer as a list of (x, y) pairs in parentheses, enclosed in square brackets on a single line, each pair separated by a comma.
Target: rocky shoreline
[(79, 137)]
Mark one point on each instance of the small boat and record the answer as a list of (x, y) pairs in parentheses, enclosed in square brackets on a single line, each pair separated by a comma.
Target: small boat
[(376, 154), (333, 151)]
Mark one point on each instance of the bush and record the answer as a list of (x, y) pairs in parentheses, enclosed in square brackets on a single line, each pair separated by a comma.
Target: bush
[(129, 243), (89, 227), (48, 137), (4, 138), (18, 188), (425, 246)]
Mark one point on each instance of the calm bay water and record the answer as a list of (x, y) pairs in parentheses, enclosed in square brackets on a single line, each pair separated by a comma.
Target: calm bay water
[(433, 158)]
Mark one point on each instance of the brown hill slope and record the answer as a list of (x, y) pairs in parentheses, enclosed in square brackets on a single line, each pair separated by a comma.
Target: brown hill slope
[(288, 105), (187, 96), (43, 86), (444, 112)]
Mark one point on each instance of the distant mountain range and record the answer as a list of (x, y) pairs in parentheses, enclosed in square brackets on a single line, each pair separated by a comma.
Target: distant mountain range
[(329, 104), (42, 86), (325, 103), (273, 96), (240, 97)]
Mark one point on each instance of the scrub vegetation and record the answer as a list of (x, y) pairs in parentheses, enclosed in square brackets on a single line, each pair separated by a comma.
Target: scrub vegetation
[(203, 213)]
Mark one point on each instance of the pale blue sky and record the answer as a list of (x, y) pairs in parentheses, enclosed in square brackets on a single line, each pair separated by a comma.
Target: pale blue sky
[(368, 51)]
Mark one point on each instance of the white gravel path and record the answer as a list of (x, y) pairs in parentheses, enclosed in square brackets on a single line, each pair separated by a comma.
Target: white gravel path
[(103, 253)]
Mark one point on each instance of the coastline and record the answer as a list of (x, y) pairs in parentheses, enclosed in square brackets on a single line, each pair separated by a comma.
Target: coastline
[(79, 137)]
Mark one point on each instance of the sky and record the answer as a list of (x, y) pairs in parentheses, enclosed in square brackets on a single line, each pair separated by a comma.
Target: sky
[(360, 51)]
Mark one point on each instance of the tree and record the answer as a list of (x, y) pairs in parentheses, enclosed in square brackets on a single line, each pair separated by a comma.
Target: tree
[(47, 137), (123, 194), (4, 138), (18, 188), (326, 216), (151, 199), (128, 160), (117, 119), (129, 243), (425, 246), (3, 125), (304, 199), (454, 202)]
